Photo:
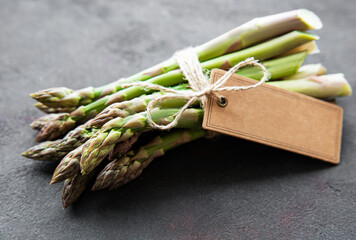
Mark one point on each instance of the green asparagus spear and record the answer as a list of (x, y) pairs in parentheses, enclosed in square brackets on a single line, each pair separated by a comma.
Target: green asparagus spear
[(69, 166), (41, 121), (56, 150), (51, 94), (46, 151), (48, 109)]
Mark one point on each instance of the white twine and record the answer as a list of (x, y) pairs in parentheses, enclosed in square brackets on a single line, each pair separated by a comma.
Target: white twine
[(201, 88)]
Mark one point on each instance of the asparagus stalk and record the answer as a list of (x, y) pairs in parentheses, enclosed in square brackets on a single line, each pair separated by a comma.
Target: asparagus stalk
[(117, 130), (41, 121), (48, 109), (46, 151), (307, 71), (248, 34), (123, 147), (51, 94), (56, 150), (57, 127), (125, 169), (325, 86), (70, 164)]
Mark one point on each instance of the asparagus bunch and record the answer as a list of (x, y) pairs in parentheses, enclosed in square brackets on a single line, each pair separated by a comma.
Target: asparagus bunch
[(59, 126), (101, 126), (279, 67)]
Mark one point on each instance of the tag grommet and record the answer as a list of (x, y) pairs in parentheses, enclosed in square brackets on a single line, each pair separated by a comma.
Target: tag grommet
[(222, 101)]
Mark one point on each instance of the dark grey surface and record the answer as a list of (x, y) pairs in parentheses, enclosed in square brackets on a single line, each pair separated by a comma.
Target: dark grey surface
[(224, 189)]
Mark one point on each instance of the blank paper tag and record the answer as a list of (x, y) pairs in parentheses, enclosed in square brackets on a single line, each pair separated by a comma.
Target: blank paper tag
[(278, 118)]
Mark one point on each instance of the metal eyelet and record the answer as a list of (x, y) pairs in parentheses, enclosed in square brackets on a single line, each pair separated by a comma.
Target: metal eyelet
[(222, 101)]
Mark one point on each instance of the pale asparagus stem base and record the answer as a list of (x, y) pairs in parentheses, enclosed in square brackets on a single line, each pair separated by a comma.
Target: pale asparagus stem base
[(248, 34), (325, 86), (310, 48), (263, 51), (125, 169), (70, 164)]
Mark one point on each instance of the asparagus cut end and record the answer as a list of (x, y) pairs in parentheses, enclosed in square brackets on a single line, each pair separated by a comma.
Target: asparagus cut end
[(310, 19), (325, 86), (308, 35), (308, 71), (337, 79), (309, 47)]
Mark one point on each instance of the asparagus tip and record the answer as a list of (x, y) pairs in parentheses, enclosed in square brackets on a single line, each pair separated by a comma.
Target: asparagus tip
[(84, 171), (94, 187)]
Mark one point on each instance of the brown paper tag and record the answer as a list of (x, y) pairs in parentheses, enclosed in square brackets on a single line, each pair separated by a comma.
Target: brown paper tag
[(278, 118)]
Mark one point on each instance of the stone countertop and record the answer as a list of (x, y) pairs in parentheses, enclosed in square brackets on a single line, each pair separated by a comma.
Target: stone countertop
[(225, 188)]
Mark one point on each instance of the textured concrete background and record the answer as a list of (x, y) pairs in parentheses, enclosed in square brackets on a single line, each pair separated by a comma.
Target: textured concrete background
[(224, 189)]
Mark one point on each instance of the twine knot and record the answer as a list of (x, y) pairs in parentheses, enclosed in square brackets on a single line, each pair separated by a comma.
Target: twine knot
[(189, 64)]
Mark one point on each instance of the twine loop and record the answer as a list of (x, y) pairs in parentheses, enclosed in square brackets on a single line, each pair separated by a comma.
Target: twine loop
[(189, 64)]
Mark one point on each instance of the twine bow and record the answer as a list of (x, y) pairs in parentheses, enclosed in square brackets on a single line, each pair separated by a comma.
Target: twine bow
[(201, 88)]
